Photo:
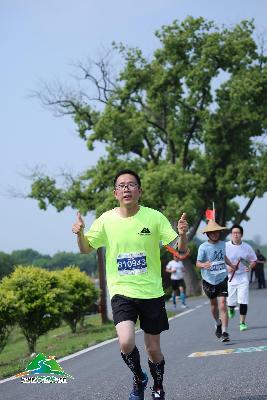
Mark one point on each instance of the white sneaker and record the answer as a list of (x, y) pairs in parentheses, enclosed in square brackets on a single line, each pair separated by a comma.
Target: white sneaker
[(183, 305)]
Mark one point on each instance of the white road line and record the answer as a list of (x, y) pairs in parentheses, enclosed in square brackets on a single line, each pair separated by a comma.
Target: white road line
[(182, 314)]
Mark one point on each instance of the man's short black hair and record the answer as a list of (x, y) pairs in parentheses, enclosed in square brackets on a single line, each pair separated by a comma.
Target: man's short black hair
[(238, 227), (130, 172)]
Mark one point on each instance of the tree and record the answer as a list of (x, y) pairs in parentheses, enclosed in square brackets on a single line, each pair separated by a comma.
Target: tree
[(86, 262), (80, 295), (190, 120), (7, 315), (25, 256), (38, 299), (6, 264)]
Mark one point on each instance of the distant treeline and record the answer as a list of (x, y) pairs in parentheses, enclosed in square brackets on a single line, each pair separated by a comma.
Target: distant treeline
[(86, 262)]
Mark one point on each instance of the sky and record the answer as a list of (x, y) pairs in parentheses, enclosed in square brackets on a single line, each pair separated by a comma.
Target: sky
[(40, 42)]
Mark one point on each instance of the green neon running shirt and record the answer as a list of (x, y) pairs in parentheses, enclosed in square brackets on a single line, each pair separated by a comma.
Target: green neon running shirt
[(133, 267)]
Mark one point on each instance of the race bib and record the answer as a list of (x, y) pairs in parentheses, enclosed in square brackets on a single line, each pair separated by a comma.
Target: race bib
[(217, 267), (131, 263)]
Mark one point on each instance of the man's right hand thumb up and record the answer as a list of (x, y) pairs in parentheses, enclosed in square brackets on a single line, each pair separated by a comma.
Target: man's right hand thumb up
[(79, 225)]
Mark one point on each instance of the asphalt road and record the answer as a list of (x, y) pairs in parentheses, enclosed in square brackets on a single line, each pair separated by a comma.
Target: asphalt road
[(100, 374)]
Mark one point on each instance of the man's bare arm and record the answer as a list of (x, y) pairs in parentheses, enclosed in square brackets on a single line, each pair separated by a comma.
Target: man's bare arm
[(83, 244), (231, 266), (78, 229), (205, 265)]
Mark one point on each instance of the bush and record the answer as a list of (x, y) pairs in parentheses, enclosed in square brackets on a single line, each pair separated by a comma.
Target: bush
[(38, 299), (80, 295)]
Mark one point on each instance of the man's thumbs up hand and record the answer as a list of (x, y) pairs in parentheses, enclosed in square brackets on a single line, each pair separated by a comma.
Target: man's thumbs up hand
[(182, 225), (79, 225)]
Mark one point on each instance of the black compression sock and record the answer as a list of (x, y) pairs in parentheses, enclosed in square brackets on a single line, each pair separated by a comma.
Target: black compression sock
[(157, 372), (132, 360)]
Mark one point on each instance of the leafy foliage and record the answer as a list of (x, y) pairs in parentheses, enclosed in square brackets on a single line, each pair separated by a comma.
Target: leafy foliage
[(38, 299), (7, 315), (6, 264), (86, 262), (79, 295), (190, 120)]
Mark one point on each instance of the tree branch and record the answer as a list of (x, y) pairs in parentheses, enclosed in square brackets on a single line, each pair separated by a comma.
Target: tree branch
[(192, 130), (242, 215), (194, 228), (150, 148)]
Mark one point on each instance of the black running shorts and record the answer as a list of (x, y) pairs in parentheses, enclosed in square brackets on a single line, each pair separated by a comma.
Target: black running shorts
[(213, 291), (177, 283), (151, 312)]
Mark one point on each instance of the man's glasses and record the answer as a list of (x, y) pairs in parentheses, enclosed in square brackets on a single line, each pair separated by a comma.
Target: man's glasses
[(129, 185)]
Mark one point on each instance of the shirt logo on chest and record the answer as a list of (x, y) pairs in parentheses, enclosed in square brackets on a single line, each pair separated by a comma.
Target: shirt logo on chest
[(145, 231), (218, 255)]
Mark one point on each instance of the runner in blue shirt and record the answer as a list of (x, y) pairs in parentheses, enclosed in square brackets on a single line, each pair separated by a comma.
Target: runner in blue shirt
[(212, 260)]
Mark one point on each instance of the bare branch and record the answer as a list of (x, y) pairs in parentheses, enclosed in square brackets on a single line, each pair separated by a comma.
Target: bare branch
[(65, 101), (62, 101)]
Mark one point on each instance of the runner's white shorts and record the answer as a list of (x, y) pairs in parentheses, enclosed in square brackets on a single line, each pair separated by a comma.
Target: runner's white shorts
[(238, 294)]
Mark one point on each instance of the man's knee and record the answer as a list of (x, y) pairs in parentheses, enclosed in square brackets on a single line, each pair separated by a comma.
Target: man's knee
[(153, 350), (223, 303), (126, 347), (125, 332)]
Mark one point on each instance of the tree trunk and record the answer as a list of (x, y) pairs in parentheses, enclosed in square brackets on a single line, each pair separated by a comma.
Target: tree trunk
[(102, 285), (192, 281), (31, 343), (82, 320), (73, 326)]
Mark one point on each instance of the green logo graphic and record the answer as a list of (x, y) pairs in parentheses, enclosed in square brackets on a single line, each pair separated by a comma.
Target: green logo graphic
[(42, 364)]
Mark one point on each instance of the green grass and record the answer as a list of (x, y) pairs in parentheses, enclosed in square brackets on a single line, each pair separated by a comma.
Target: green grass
[(57, 342)]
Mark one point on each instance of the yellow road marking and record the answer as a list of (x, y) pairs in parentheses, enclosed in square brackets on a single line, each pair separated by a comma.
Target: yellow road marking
[(228, 351)]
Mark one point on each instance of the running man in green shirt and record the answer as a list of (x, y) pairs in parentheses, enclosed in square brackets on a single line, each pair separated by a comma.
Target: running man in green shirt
[(132, 235)]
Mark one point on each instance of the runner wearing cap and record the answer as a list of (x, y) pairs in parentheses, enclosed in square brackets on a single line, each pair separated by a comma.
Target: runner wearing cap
[(212, 260)]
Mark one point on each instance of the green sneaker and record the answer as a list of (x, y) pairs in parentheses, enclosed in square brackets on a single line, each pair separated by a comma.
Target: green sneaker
[(231, 312), (243, 326)]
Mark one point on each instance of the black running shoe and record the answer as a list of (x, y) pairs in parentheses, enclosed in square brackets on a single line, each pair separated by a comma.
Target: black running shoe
[(158, 394), (218, 331), (225, 337)]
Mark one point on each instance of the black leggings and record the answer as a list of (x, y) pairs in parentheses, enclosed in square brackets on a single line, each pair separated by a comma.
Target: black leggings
[(243, 309)]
